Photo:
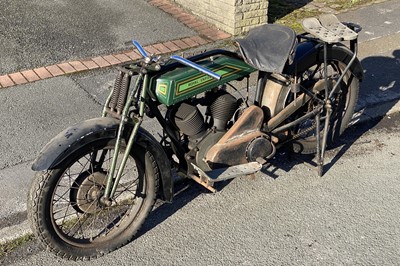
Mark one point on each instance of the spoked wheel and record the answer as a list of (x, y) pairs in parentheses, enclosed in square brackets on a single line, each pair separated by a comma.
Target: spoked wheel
[(64, 204), (343, 104)]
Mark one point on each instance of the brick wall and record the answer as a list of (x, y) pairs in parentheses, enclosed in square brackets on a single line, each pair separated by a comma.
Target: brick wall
[(233, 16)]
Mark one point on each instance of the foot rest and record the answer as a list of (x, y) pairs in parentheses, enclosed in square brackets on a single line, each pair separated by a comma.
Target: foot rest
[(230, 172), (328, 29)]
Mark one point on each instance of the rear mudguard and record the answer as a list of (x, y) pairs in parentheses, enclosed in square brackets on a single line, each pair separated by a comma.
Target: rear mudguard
[(307, 53), (74, 137)]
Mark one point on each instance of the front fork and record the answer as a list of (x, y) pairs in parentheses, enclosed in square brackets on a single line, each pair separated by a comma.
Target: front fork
[(112, 179)]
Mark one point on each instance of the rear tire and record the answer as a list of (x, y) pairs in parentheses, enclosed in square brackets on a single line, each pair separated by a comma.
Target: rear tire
[(64, 208), (343, 106), (342, 110)]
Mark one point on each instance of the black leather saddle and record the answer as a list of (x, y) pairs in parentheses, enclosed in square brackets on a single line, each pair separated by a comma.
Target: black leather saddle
[(268, 47)]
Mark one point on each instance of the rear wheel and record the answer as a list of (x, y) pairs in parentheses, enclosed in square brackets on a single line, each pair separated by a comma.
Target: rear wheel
[(343, 104), (64, 205)]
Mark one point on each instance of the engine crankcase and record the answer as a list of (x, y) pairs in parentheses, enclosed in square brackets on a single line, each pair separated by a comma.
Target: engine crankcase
[(236, 144)]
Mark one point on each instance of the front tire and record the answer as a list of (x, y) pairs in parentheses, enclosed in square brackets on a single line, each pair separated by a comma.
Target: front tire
[(64, 206)]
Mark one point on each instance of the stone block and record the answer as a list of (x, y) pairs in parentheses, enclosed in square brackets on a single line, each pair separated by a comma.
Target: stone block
[(232, 16)]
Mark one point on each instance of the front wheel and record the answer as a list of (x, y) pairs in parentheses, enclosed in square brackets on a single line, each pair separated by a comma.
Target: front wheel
[(64, 205)]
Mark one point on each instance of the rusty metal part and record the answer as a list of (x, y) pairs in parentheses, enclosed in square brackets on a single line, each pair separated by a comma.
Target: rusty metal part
[(207, 179), (223, 174), (287, 111), (126, 80), (204, 182), (210, 140), (260, 147), (116, 90), (272, 92), (250, 121), (298, 121), (231, 148), (293, 106), (89, 191), (232, 152), (298, 135)]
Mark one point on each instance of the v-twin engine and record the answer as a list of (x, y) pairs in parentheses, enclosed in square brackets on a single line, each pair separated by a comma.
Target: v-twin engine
[(226, 137), (190, 120)]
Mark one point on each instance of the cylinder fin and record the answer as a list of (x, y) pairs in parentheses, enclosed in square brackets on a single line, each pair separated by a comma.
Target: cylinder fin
[(189, 120), (222, 110)]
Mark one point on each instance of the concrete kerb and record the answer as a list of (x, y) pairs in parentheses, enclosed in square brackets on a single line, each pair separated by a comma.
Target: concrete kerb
[(76, 66)]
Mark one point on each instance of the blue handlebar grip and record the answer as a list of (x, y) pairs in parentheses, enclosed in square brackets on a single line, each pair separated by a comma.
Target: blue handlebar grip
[(196, 66), (140, 48)]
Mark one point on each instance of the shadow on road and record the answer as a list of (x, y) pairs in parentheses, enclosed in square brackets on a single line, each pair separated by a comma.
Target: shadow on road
[(278, 9), (186, 191), (382, 78)]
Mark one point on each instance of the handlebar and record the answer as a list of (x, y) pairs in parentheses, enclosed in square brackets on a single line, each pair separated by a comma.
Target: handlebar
[(196, 66), (181, 60), (140, 48)]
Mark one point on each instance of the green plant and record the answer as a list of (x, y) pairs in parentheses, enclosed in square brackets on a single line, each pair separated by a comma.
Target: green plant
[(9, 246)]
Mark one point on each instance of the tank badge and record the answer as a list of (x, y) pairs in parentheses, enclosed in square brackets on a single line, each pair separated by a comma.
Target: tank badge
[(162, 88)]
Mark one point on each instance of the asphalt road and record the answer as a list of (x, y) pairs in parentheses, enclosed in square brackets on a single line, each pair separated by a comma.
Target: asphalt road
[(271, 220), (37, 33), (285, 216)]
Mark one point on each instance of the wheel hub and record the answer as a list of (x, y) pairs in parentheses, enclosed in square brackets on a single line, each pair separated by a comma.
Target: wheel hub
[(87, 190)]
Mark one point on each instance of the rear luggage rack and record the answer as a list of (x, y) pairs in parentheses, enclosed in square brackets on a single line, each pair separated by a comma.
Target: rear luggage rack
[(329, 29)]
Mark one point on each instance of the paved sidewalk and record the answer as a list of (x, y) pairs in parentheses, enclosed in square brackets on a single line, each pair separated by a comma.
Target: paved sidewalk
[(43, 53), (36, 106)]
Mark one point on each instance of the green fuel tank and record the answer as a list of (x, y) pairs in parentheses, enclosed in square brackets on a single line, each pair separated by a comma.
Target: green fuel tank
[(185, 82)]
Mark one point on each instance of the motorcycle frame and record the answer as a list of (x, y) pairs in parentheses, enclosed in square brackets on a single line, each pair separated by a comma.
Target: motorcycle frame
[(141, 92)]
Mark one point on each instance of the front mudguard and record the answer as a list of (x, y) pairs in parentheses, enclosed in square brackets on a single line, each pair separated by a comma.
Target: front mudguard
[(76, 136)]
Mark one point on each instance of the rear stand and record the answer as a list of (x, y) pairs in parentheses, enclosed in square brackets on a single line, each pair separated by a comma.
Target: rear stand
[(329, 30)]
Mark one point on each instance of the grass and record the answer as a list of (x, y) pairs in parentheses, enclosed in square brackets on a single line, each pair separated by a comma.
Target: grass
[(291, 12), (345, 4), (294, 18), (9, 246)]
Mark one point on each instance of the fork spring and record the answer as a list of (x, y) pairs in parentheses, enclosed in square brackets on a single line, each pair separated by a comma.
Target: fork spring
[(116, 91), (123, 92)]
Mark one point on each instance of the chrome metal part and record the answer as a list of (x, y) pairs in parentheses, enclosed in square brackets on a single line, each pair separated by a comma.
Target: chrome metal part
[(140, 48), (203, 70)]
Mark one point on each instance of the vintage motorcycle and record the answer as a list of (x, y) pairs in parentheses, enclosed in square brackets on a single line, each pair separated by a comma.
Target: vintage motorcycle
[(98, 180)]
